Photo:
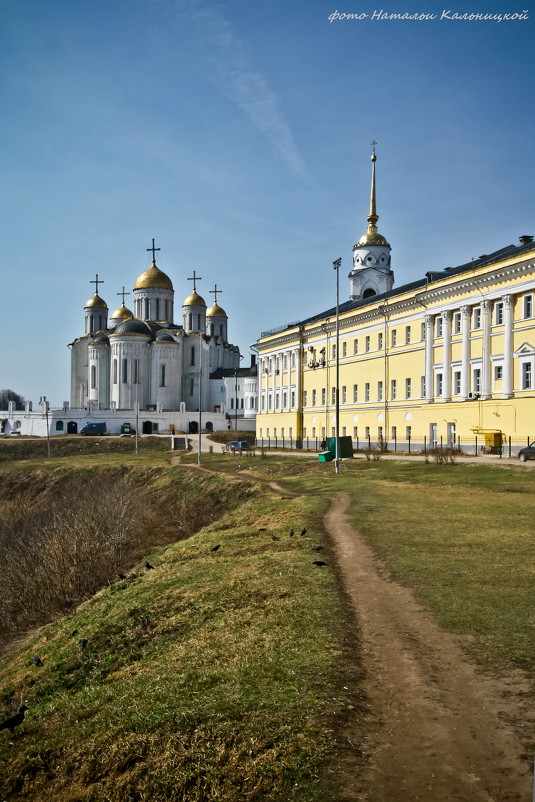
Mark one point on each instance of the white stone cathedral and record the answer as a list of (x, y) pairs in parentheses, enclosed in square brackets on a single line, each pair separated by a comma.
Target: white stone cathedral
[(171, 370)]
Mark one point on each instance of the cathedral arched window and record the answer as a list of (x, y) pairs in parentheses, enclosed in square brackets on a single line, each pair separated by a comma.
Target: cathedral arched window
[(157, 308), (192, 355), (162, 375), (93, 377), (147, 308), (115, 371), (190, 321), (198, 322), (59, 426), (167, 317), (136, 371), (125, 371)]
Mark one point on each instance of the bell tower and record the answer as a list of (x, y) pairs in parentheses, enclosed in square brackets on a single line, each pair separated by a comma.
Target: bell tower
[(371, 274)]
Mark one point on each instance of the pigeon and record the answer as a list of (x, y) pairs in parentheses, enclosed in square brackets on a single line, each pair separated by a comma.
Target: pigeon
[(291, 532), (262, 529), (274, 537), (317, 548), (83, 643), (148, 565), (74, 632), (303, 531), (37, 660), (216, 547), (319, 563), (14, 721), (122, 576)]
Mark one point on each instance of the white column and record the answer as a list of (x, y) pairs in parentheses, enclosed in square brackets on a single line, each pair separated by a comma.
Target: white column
[(446, 360), (429, 320), (465, 364), (507, 382), (485, 362)]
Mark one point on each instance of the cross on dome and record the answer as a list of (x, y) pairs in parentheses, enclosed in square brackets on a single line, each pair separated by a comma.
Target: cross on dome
[(215, 292), (96, 281), (195, 278), (153, 249), (123, 292)]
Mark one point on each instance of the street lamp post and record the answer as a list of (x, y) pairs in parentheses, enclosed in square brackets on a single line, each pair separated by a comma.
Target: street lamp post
[(336, 265), (200, 401)]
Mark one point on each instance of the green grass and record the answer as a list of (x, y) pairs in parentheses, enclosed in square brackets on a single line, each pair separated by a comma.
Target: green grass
[(217, 676)]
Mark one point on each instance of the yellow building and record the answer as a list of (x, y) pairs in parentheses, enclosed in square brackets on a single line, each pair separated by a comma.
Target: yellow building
[(448, 359)]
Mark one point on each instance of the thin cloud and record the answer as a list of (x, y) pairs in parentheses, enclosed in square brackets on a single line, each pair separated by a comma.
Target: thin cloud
[(234, 75)]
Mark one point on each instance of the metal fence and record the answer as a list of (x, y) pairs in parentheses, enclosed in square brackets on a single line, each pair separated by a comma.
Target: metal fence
[(412, 445)]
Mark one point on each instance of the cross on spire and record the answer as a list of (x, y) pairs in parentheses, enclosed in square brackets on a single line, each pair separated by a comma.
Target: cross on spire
[(96, 281), (123, 293), (195, 278), (153, 249), (215, 292), (373, 144)]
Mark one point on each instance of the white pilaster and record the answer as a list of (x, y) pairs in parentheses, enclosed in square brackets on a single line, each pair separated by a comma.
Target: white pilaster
[(485, 362), (507, 383), (429, 320), (465, 365), (446, 371)]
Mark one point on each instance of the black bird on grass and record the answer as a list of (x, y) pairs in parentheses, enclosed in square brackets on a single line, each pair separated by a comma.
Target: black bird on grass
[(317, 548), (303, 531), (216, 547), (74, 632), (291, 532), (122, 576), (37, 660), (14, 721), (148, 565), (83, 643), (274, 537), (319, 563)]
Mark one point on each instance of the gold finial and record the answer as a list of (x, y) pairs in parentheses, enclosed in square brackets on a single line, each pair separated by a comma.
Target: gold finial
[(372, 237)]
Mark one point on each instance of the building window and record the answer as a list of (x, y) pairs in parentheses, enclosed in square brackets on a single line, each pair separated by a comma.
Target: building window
[(355, 393), (192, 355), (125, 371), (477, 380), (313, 398), (408, 388), (438, 326), (355, 346), (380, 341), (334, 351), (333, 431), (147, 309), (270, 401), (115, 371), (162, 375), (498, 313), (422, 386), (476, 318), (344, 430), (293, 398), (457, 323), (526, 376), (393, 389), (191, 387), (422, 332), (323, 395), (305, 398), (263, 401), (136, 371), (323, 431), (457, 382), (59, 426), (407, 334), (498, 372), (157, 308), (367, 391), (367, 432), (439, 384), (93, 377), (528, 306), (313, 432), (344, 349), (394, 337), (232, 403), (277, 400), (380, 433), (394, 432), (367, 344), (379, 391), (344, 394), (408, 432), (355, 433), (285, 400), (333, 395)]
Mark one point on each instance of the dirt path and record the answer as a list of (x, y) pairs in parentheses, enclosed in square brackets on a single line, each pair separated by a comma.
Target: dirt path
[(436, 728)]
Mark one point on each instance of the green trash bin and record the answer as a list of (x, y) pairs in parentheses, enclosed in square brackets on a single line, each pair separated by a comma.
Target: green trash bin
[(325, 456)]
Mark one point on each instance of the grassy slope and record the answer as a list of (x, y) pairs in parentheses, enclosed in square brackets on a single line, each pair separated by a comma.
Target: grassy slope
[(213, 677)]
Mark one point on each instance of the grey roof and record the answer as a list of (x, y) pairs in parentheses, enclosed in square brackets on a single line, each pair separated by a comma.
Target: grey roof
[(136, 326), (225, 373)]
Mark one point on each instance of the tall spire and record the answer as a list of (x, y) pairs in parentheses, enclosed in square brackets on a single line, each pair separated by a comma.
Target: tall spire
[(372, 237)]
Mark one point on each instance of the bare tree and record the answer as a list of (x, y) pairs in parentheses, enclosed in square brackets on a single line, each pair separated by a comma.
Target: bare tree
[(10, 395)]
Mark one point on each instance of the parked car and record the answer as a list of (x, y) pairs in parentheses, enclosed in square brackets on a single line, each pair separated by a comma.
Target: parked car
[(527, 453), (236, 446), (93, 429)]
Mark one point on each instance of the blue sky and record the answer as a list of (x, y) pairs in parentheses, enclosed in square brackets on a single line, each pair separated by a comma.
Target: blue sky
[(238, 135)]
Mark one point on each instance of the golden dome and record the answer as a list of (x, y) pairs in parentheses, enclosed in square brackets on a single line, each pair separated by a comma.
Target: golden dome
[(153, 277), (122, 313), (96, 301), (215, 311), (194, 299), (372, 237)]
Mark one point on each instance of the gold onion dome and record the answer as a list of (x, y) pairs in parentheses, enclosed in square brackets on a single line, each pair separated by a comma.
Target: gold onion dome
[(372, 236), (122, 313), (194, 299), (215, 311), (96, 301), (153, 277)]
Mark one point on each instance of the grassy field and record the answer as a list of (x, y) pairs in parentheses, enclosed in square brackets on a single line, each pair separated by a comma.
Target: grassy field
[(228, 675), (215, 676)]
